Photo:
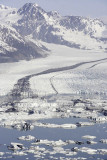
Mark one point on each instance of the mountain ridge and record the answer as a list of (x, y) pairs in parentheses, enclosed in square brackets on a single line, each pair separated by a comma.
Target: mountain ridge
[(50, 27)]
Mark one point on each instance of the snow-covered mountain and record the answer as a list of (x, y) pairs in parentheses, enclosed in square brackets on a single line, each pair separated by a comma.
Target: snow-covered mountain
[(22, 29), (14, 47)]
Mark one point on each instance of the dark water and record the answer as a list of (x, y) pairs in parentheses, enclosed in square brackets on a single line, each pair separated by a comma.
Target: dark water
[(99, 130)]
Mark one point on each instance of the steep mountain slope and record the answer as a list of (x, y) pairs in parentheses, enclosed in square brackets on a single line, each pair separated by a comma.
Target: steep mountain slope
[(8, 15), (73, 31), (13, 47), (21, 32)]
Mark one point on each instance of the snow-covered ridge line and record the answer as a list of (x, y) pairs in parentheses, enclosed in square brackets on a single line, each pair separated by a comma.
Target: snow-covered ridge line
[(33, 24)]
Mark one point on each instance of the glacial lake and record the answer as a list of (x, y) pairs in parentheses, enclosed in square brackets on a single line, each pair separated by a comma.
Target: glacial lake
[(55, 134)]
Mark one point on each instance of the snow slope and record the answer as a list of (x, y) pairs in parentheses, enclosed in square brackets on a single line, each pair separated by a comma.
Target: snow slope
[(73, 31)]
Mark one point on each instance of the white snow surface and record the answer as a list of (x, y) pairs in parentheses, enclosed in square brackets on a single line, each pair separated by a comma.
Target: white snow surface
[(88, 137), (95, 27), (60, 56), (27, 138), (8, 15)]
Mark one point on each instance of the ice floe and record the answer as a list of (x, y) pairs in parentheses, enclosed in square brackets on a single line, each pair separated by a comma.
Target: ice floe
[(15, 146), (2, 153), (27, 138), (102, 151), (65, 126), (88, 150), (88, 137), (84, 124), (103, 141), (91, 142), (17, 153)]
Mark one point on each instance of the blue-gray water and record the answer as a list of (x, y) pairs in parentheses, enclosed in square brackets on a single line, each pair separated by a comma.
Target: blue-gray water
[(99, 130)]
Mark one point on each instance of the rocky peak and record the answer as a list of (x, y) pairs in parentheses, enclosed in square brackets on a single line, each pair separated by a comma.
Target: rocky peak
[(30, 9), (54, 14), (31, 23)]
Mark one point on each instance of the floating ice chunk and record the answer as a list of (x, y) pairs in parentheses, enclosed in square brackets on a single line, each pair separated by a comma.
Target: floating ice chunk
[(59, 150), (27, 138), (75, 149), (88, 150), (102, 151), (91, 142), (7, 123), (79, 142), (80, 105), (85, 124), (36, 150), (59, 143), (39, 148), (100, 119), (15, 146), (54, 143), (103, 140), (70, 142), (71, 153), (46, 142), (31, 150), (88, 137), (19, 153), (68, 126), (1, 153), (24, 126)]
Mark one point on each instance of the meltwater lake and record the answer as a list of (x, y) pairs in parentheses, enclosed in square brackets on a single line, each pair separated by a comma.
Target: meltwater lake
[(54, 143)]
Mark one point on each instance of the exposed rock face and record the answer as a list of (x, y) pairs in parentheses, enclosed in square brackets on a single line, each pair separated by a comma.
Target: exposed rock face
[(14, 47)]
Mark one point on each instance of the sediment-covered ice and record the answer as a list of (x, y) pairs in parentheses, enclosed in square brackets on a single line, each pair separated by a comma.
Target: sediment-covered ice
[(102, 151), (103, 141), (91, 142), (15, 146), (85, 123)]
